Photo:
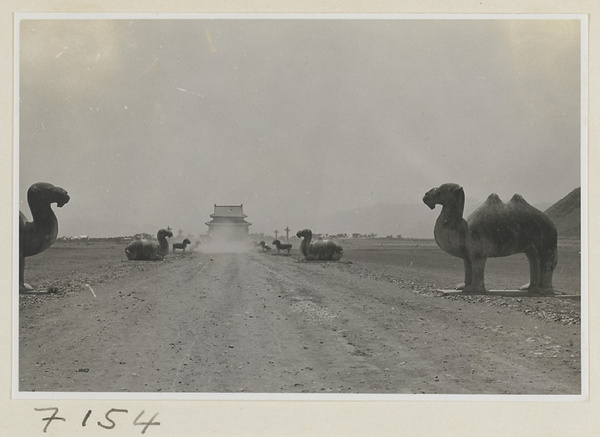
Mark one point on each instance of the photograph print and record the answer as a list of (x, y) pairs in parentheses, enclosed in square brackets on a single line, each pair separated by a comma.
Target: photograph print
[(299, 207)]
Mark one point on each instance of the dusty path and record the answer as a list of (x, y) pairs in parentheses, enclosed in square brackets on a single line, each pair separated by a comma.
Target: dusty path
[(254, 322)]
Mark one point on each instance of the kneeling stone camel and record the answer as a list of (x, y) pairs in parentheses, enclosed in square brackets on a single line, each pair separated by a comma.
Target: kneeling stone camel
[(148, 250), (495, 229), (320, 250)]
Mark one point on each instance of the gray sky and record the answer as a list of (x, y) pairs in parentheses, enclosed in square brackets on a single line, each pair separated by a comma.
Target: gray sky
[(149, 123)]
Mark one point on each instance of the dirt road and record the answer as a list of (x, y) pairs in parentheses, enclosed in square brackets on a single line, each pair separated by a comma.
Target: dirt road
[(256, 322)]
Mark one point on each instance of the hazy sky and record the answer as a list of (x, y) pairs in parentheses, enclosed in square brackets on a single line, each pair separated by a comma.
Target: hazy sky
[(149, 123)]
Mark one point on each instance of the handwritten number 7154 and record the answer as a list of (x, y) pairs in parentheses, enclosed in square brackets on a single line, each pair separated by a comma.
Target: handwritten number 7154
[(107, 423)]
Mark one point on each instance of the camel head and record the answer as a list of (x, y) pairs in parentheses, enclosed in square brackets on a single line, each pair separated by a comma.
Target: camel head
[(306, 233), (166, 233), (445, 195), (43, 192)]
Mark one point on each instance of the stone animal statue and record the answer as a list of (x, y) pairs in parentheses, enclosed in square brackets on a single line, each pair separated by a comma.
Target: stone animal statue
[(320, 250), (264, 246), (181, 245), (282, 246), (39, 234), (495, 229), (149, 250)]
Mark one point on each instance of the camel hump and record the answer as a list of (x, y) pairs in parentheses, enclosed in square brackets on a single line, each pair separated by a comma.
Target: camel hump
[(517, 198), (493, 199)]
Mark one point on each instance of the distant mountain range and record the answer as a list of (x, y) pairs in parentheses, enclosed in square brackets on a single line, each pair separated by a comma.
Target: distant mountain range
[(566, 215)]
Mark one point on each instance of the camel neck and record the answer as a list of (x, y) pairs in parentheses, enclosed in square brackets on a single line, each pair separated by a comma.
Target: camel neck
[(452, 214), (449, 231), (43, 216), (41, 232), (304, 245)]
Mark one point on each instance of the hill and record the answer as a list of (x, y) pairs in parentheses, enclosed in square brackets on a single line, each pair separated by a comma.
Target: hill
[(566, 214)]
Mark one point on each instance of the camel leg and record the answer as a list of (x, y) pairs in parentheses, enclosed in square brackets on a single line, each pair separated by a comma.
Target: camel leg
[(534, 270), (21, 269), (468, 274), (547, 265), (477, 284), (546, 281), (22, 285)]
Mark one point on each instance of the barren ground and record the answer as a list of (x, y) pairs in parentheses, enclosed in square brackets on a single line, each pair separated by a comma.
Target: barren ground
[(373, 322)]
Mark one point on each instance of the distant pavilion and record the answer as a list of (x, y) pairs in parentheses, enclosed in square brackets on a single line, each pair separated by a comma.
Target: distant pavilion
[(228, 223)]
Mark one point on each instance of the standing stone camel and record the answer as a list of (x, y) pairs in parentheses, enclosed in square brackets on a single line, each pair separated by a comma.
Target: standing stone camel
[(148, 250), (39, 234), (495, 229)]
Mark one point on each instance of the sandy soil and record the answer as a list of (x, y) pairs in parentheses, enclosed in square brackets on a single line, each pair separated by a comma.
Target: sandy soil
[(258, 322)]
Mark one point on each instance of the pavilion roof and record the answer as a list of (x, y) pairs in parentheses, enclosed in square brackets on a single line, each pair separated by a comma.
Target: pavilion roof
[(229, 211)]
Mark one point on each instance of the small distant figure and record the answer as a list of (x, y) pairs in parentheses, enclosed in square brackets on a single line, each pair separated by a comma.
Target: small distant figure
[(320, 250), (264, 246), (38, 235), (182, 245), (282, 246)]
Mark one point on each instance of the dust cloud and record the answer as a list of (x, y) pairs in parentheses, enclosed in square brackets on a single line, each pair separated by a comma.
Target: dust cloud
[(226, 246)]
